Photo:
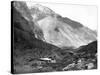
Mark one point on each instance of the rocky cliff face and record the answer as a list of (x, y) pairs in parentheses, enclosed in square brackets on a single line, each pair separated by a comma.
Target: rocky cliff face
[(52, 28)]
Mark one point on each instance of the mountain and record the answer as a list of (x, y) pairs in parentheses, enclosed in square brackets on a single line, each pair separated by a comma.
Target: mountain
[(54, 29), (31, 50), (23, 31)]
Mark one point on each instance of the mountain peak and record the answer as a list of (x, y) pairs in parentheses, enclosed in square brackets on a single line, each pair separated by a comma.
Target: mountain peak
[(58, 31), (39, 11), (42, 8)]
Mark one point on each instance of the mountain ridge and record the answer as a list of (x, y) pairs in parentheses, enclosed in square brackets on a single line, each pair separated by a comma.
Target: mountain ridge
[(57, 30)]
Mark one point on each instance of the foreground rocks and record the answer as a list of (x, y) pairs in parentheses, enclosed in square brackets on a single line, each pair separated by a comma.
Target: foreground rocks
[(29, 59)]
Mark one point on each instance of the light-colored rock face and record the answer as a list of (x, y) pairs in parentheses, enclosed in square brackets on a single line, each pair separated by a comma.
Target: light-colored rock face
[(61, 32), (63, 35), (38, 12)]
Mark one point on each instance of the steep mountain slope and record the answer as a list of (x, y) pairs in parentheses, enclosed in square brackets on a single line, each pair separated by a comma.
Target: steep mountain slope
[(22, 31), (54, 29)]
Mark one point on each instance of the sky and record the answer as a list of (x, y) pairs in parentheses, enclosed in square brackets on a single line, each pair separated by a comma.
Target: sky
[(85, 14)]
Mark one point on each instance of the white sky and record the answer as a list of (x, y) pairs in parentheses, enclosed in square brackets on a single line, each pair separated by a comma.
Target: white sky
[(86, 15)]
